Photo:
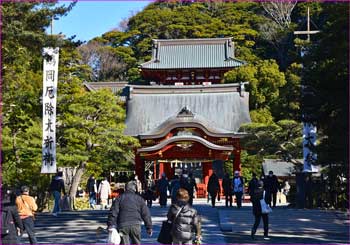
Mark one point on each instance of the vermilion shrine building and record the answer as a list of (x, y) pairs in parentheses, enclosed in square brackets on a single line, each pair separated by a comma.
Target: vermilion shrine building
[(187, 119)]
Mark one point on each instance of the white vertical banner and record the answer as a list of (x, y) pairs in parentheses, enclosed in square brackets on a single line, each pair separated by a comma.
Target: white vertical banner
[(50, 77), (309, 145)]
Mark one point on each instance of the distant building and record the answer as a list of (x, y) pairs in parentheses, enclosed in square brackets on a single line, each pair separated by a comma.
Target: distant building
[(282, 169)]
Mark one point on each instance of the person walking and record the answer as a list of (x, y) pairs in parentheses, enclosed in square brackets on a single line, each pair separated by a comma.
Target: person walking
[(149, 190), (286, 189), (213, 188), (11, 222), (174, 187), (91, 188), (57, 188), (227, 187), (127, 213), (138, 185), (192, 187), (184, 219), (26, 207), (271, 188), (253, 184), (163, 186), (188, 183), (104, 191), (238, 185), (257, 196)]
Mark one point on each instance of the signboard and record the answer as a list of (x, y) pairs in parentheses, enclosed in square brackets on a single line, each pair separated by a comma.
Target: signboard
[(50, 77), (309, 151)]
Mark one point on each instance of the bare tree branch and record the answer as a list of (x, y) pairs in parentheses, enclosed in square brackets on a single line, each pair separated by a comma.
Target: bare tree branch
[(280, 11)]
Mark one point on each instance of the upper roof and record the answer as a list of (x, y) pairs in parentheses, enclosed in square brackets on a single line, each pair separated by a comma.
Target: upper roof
[(192, 53), (220, 108)]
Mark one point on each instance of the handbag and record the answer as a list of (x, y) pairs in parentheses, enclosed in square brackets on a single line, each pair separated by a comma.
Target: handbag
[(113, 236), (164, 236), (265, 208)]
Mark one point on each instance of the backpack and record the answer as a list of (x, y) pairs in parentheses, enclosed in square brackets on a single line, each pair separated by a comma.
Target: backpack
[(6, 222)]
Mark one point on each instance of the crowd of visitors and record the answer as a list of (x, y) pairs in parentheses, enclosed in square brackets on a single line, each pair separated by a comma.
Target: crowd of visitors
[(131, 208)]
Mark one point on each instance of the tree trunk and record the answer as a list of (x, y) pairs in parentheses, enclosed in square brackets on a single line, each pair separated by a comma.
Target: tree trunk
[(75, 182)]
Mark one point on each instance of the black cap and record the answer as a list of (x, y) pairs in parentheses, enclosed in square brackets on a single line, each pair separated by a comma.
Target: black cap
[(24, 189)]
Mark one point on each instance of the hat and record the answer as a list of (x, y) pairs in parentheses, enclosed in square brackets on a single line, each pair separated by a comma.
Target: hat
[(24, 189), (131, 186)]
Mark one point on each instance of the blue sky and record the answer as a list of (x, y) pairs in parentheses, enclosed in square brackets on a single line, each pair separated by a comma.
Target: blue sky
[(89, 19)]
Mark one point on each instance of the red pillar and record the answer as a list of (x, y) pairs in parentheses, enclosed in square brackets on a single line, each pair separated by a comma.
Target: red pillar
[(207, 171), (161, 169), (168, 170)]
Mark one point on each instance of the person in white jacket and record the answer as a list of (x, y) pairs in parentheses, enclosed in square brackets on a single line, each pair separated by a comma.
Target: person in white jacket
[(104, 190)]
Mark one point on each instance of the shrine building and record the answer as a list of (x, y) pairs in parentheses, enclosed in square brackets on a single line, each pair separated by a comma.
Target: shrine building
[(186, 119)]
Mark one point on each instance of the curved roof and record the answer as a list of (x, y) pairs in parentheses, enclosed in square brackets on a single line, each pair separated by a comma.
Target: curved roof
[(185, 138), (220, 110), (188, 120), (192, 53)]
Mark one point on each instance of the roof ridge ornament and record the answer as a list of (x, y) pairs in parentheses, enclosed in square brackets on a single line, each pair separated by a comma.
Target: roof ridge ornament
[(185, 112)]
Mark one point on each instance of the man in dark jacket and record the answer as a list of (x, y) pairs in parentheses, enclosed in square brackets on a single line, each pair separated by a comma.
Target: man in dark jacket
[(163, 187), (189, 184), (271, 187), (127, 213), (91, 188), (227, 186), (184, 218), (10, 222), (257, 196), (213, 188), (56, 188), (253, 184)]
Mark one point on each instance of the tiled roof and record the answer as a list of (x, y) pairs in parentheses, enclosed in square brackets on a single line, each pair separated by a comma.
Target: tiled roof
[(192, 53), (279, 167), (218, 105), (114, 86)]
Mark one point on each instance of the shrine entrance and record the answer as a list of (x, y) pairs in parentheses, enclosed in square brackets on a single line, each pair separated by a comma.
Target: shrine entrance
[(186, 143)]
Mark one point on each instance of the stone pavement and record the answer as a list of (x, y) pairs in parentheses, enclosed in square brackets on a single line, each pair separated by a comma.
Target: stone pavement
[(219, 226), (286, 226)]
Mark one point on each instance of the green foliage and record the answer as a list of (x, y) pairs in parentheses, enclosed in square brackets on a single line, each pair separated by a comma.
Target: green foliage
[(282, 139), (288, 105), (327, 71), (262, 115), (264, 79), (92, 130)]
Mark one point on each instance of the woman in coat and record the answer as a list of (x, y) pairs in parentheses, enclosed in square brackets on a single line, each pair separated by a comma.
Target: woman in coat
[(104, 190), (184, 219), (257, 196)]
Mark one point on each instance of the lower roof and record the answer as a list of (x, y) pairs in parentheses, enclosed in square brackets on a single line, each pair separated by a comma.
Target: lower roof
[(220, 105)]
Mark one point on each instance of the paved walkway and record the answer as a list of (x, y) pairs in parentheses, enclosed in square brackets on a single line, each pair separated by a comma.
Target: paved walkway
[(286, 226), (219, 226)]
